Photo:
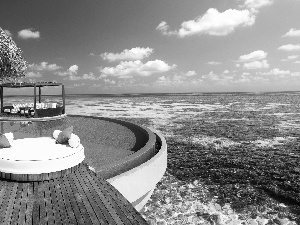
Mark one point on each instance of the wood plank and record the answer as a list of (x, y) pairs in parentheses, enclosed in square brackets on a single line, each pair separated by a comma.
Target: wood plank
[(122, 201), (87, 210), (17, 204), (104, 204), (60, 211), (7, 194), (68, 206), (24, 199), (48, 204), (29, 200), (39, 198), (36, 208), (72, 197), (98, 206), (122, 212), (10, 203), (2, 192)]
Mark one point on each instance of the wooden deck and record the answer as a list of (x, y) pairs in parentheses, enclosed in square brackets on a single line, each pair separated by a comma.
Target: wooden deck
[(80, 197)]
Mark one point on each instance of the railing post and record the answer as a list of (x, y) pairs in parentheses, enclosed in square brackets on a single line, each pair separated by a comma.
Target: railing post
[(34, 102), (63, 97), (40, 95), (1, 93)]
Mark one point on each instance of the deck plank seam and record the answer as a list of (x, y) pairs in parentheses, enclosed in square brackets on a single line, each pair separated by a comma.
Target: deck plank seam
[(127, 205), (87, 201), (112, 209), (65, 196), (78, 215), (66, 218), (106, 212), (16, 205), (79, 202)]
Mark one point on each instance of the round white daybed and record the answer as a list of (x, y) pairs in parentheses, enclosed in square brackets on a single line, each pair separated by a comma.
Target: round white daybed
[(39, 158)]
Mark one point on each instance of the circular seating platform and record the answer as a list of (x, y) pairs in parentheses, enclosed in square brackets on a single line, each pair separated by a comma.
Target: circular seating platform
[(32, 159)]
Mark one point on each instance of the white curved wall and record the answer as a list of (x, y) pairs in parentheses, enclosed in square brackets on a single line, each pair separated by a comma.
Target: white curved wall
[(137, 182)]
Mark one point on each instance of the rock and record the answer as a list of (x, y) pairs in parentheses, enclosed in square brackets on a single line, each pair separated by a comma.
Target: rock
[(252, 222), (283, 221), (262, 221)]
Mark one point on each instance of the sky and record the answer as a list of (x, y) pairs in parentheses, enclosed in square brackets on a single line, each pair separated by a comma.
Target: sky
[(157, 46)]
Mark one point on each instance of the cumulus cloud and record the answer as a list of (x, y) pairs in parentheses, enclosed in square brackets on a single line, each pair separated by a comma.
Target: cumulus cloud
[(127, 68), (254, 5), (277, 72), (86, 76), (292, 33), (176, 79), (8, 33), (289, 58), (44, 66), (226, 71), (108, 81), (214, 63), (253, 56), (132, 54), (212, 22), (33, 74), (29, 33), (191, 73), (256, 65), (71, 71), (290, 47), (163, 27)]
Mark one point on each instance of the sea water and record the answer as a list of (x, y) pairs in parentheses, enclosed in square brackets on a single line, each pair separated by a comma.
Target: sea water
[(241, 141)]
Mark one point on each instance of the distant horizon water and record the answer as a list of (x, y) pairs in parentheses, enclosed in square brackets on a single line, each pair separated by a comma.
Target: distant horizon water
[(158, 93)]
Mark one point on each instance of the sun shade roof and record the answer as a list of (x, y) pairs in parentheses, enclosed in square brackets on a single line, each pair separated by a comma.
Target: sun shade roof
[(29, 84)]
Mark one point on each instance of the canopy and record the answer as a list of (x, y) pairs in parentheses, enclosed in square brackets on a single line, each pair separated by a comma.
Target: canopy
[(34, 85)]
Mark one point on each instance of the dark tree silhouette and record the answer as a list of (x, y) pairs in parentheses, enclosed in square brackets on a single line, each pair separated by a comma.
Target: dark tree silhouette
[(12, 64)]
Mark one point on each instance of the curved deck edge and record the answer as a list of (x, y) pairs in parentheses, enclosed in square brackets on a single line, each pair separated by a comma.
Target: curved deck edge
[(138, 184)]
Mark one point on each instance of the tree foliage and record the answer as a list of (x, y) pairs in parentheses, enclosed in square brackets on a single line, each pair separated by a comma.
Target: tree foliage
[(12, 64)]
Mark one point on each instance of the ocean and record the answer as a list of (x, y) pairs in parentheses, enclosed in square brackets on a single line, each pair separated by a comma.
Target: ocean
[(233, 158)]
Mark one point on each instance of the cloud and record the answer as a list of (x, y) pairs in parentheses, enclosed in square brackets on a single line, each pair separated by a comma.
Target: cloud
[(253, 56), (127, 68), (86, 76), (289, 47), (297, 62), (212, 22), (8, 33), (213, 63), (33, 74), (254, 5), (108, 81), (71, 71), (44, 66), (277, 72), (226, 71), (29, 33), (256, 65), (289, 58), (191, 73), (163, 27), (292, 33), (132, 54)]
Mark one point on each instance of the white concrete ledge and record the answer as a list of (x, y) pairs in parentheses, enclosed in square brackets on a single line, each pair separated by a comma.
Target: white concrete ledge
[(137, 184)]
